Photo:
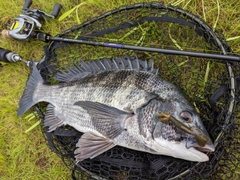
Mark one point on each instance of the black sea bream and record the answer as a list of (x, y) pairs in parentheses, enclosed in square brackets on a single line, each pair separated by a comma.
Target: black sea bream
[(118, 102)]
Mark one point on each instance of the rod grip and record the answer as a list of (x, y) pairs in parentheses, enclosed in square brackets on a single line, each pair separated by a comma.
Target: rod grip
[(56, 9), (5, 33), (3, 53)]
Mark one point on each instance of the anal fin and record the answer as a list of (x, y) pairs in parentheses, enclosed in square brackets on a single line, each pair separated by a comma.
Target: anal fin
[(91, 145), (51, 120)]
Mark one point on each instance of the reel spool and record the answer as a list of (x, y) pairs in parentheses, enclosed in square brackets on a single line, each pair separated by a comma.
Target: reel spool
[(211, 86)]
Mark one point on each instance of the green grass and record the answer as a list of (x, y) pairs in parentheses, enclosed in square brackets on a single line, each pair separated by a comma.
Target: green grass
[(24, 155)]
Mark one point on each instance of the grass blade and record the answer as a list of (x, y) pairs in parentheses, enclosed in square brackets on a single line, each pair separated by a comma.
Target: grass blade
[(218, 7), (203, 9), (233, 38), (32, 127), (67, 13), (206, 74), (64, 15), (77, 17)]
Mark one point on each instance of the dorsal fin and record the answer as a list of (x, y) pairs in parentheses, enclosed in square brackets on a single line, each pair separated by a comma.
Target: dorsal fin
[(94, 67)]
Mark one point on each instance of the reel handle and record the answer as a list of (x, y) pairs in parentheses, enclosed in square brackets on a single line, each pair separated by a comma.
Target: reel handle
[(56, 10), (27, 4)]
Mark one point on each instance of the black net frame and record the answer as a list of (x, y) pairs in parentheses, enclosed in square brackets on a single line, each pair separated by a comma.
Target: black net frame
[(211, 86)]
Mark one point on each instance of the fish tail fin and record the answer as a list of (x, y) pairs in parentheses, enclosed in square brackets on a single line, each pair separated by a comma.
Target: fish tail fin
[(27, 100)]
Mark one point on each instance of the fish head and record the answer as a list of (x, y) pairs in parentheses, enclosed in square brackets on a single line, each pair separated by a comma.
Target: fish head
[(186, 136)]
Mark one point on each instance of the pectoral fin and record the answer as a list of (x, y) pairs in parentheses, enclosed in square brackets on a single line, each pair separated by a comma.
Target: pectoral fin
[(91, 145), (107, 120)]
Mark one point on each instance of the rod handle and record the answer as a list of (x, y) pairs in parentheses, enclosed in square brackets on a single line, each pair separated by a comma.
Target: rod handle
[(3, 55)]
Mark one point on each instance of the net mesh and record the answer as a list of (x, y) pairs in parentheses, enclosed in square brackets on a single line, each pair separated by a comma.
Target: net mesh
[(159, 26)]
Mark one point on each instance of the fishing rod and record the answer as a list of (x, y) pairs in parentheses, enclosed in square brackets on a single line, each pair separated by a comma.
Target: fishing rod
[(148, 49), (46, 38)]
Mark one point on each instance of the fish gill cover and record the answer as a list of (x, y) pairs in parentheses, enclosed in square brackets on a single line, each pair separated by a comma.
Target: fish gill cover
[(211, 87)]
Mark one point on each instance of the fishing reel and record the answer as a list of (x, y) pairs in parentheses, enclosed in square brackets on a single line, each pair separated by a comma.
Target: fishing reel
[(29, 24)]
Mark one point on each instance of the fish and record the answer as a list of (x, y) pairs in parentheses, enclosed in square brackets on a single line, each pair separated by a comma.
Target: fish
[(120, 101)]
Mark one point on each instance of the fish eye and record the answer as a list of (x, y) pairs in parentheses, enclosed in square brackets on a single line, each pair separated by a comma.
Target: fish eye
[(186, 116)]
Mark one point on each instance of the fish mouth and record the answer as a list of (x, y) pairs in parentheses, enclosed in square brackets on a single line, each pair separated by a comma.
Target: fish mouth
[(206, 148), (199, 156), (200, 152), (180, 150)]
